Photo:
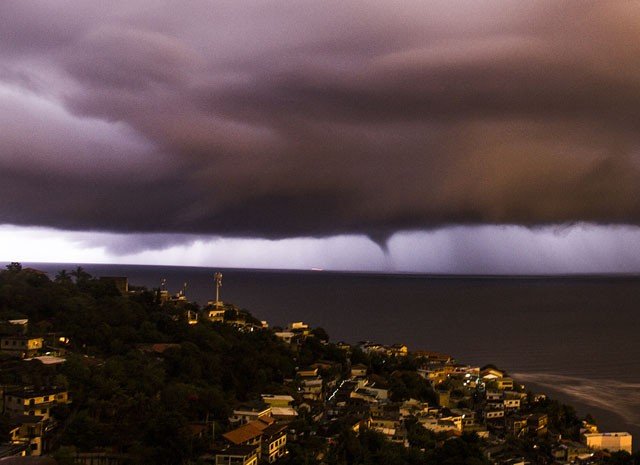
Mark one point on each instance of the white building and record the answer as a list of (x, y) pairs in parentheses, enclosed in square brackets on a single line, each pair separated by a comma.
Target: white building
[(610, 441), (246, 413), (285, 336)]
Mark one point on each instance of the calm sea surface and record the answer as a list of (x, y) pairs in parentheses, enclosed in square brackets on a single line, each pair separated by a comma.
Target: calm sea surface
[(574, 338)]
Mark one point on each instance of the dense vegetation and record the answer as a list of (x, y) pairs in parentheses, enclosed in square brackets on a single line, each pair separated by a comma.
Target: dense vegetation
[(126, 399), (371, 448)]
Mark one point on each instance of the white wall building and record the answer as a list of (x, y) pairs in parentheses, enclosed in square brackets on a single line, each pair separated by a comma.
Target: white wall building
[(610, 441)]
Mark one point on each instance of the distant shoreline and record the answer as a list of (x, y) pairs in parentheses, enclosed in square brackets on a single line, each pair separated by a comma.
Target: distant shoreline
[(400, 274)]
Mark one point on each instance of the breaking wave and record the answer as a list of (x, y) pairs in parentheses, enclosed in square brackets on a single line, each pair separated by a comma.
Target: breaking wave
[(619, 397)]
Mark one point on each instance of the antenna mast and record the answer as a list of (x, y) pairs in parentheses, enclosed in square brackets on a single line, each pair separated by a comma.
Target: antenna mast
[(218, 279)]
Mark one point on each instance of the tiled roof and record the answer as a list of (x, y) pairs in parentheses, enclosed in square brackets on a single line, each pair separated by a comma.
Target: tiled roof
[(243, 434), (264, 426), (265, 421)]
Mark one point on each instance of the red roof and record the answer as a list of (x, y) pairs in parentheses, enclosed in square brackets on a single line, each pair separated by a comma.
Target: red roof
[(252, 430), (245, 433)]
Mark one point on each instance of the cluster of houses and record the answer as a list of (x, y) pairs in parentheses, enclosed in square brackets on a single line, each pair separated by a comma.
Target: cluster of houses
[(373, 395), (259, 433), (394, 350), (294, 333), (484, 401), (328, 395), (216, 310), (27, 409)]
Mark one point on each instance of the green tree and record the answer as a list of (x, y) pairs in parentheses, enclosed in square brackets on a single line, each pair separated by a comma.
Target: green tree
[(14, 267), (81, 275)]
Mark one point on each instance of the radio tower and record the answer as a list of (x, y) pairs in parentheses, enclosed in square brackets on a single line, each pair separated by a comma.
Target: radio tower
[(218, 279)]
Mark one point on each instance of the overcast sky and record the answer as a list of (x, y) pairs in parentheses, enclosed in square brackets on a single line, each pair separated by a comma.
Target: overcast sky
[(469, 136)]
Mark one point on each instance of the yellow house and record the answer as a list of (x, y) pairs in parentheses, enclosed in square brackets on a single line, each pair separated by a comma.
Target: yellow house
[(358, 370), (490, 373), (216, 314), (398, 349), (504, 383), (34, 401), (26, 346), (275, 400), (274, 442), (299, 327)]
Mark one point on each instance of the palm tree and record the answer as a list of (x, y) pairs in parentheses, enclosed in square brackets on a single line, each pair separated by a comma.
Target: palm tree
[(63, 277), (80, 274)]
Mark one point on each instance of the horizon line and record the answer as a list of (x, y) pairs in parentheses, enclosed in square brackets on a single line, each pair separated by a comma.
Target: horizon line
[(433, 275)]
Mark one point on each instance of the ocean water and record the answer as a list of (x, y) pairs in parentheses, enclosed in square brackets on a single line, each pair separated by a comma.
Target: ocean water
[(575, 338)]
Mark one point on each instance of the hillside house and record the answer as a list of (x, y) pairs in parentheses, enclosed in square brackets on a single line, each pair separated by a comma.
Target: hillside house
[(237, 455), (249, 412), (22, 346), (28, 401)]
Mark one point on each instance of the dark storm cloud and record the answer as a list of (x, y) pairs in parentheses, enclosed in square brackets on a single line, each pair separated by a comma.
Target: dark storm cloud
[(280, 119)]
